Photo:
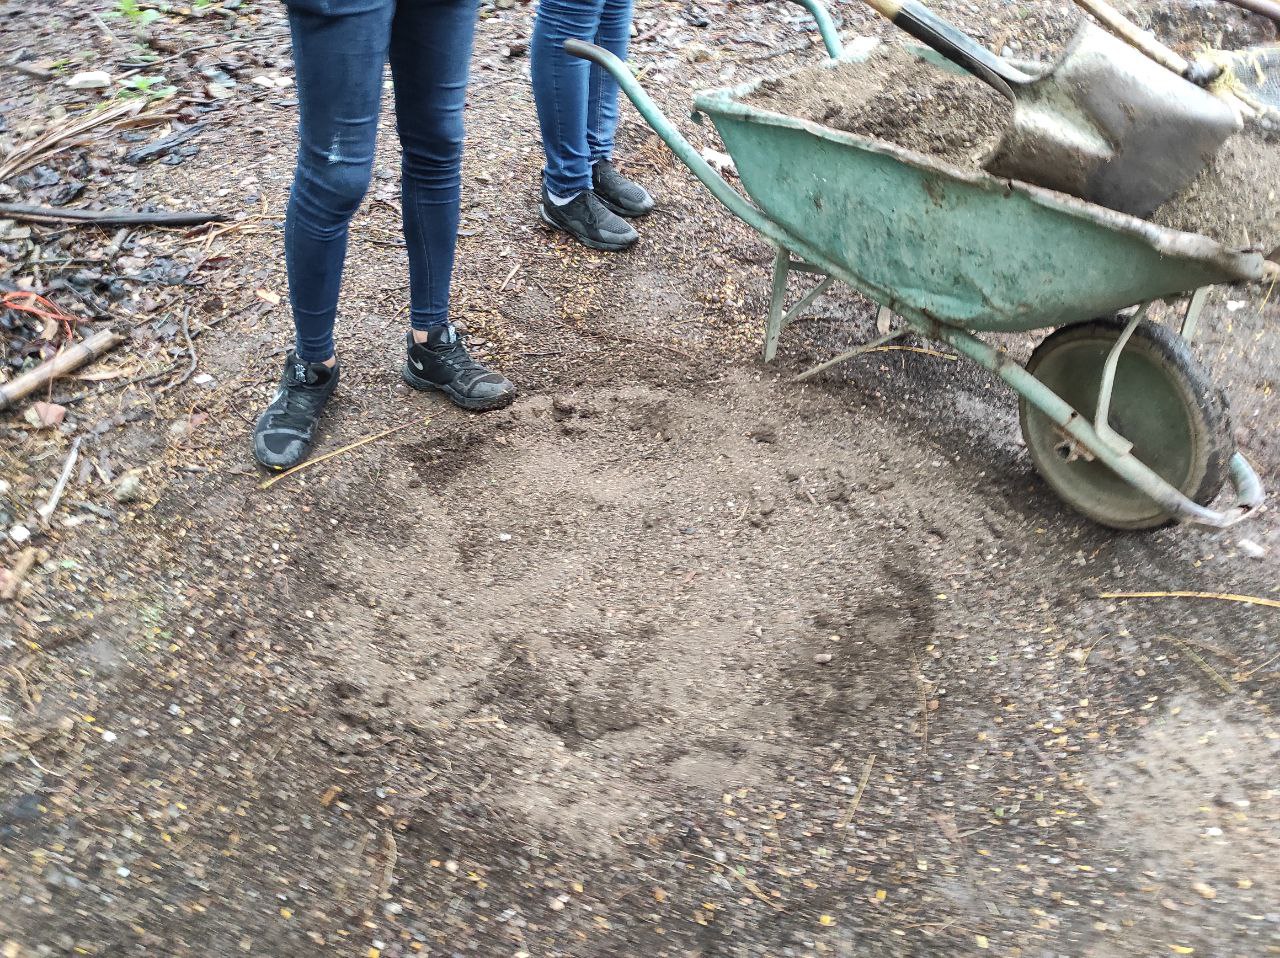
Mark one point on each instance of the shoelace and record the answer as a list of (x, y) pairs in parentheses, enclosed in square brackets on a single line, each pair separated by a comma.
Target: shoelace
[(457, 355)]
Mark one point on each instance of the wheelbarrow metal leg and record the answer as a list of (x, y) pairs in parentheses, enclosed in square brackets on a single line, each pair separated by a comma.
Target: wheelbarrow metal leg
[(856, 351), (783, 266), (1100, 420), (1191, 319)]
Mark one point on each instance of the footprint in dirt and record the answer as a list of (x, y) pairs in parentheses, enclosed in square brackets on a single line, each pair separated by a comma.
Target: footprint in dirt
[(857, 673)]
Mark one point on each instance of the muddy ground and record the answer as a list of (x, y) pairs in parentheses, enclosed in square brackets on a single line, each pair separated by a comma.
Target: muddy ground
[(674, 657)]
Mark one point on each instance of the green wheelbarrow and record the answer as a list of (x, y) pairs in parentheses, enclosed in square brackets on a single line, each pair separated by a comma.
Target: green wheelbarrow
[(1118, 417)]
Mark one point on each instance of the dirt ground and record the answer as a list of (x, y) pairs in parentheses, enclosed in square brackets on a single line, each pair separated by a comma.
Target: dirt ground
[(672, 658)]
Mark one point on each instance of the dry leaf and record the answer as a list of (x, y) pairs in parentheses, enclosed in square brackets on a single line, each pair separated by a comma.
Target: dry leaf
[(982, 941), (1181, 950), (267, 296), (826, 920), (45, 415), (330, 793), (1205, 891)]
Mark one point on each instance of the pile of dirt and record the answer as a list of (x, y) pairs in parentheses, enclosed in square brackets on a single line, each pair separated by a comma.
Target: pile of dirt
[(897, 97), (1236, 200)]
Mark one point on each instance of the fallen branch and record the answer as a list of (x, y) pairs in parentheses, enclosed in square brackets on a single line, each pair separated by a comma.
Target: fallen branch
[(47, 510), (49, 214), (13, 579), (1218, 596), (338, 452), (144, 154), (65, 362)]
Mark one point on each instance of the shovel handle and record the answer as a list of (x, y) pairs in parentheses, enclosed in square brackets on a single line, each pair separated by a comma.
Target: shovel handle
[(953, 43), (1200, 74)]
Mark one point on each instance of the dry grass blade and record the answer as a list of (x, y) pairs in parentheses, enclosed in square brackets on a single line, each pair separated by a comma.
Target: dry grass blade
[(1208, 669), (67, 134), (847, 818), (1215, 596), (338, 452)]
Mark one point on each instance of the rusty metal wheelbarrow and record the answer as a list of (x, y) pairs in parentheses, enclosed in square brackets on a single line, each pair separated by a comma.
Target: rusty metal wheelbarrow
[(1118, 417)]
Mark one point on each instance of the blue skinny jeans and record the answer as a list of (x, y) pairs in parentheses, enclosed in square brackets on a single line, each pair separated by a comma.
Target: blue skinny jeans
[(577, 101), (340, 50)]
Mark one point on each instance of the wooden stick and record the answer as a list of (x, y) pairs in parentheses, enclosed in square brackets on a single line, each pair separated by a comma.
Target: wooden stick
[(67, 361), (1218, 596), (49, 508), (18, 574), (338, 452), (50, 214)]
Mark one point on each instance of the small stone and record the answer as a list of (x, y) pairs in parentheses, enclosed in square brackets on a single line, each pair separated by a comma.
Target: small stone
[(1251, 549), (556, 904), (822, 658), (1205, 891), (504, 536), (19, 533), (5, 487), (129, 488), (92, 80), (765, 432), (393, 908), (109, 736)]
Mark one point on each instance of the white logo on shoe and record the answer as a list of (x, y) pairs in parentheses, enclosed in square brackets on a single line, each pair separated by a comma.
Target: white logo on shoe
[(416, 365)]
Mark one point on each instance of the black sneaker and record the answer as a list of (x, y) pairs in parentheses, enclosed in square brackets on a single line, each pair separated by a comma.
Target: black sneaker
[(443, 363), (625, 197), (287, 428), (589, 221)]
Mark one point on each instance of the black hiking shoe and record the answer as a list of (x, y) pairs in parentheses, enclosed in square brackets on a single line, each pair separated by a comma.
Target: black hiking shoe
[(287, 428), (443, 363), (589, 221), (625, 197)]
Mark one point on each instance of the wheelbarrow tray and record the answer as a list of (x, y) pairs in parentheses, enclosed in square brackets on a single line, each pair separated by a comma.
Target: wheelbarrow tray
[(956, 245)]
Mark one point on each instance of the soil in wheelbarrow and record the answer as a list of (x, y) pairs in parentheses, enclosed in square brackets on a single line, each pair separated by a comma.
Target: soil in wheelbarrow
[(897, 97), (1236, 200)]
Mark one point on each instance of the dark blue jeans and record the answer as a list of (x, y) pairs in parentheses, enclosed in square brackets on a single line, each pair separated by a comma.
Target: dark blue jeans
[(577, 101), (340, 50)]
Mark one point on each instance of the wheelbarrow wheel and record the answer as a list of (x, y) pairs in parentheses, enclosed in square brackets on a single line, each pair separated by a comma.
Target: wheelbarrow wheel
[(1163, 402)]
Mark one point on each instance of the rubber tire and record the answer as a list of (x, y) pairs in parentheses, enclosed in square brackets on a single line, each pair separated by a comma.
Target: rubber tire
[(1194, 459)]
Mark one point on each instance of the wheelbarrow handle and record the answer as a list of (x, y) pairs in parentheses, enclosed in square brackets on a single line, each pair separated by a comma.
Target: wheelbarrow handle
[(685, 151)]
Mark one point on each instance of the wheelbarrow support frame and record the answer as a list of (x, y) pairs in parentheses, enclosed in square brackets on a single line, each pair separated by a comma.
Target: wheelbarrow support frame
[(795, 253)]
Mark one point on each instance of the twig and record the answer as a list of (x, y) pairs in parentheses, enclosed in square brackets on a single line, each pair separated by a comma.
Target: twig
[(493, 83), (337, 452), (847, 818), (18, 574), (191, 355), (1208, 669), (25, 689), (392, 854), (1217, 596), (65, 362), (46, 511), (102, 26), (48, 214), (510, 276)]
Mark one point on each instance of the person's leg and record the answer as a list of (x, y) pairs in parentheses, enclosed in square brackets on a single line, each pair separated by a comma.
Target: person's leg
[(613, 33), (561, 86), (561, 91), (621, 195), (339, 62), (430, 57)]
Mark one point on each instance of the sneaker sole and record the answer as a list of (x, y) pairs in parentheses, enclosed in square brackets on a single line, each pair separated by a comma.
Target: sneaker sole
[(466, 402), (584, 240), (622, 211)]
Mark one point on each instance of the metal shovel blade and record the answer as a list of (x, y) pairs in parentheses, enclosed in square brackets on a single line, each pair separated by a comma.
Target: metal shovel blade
[(1107, 124)]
